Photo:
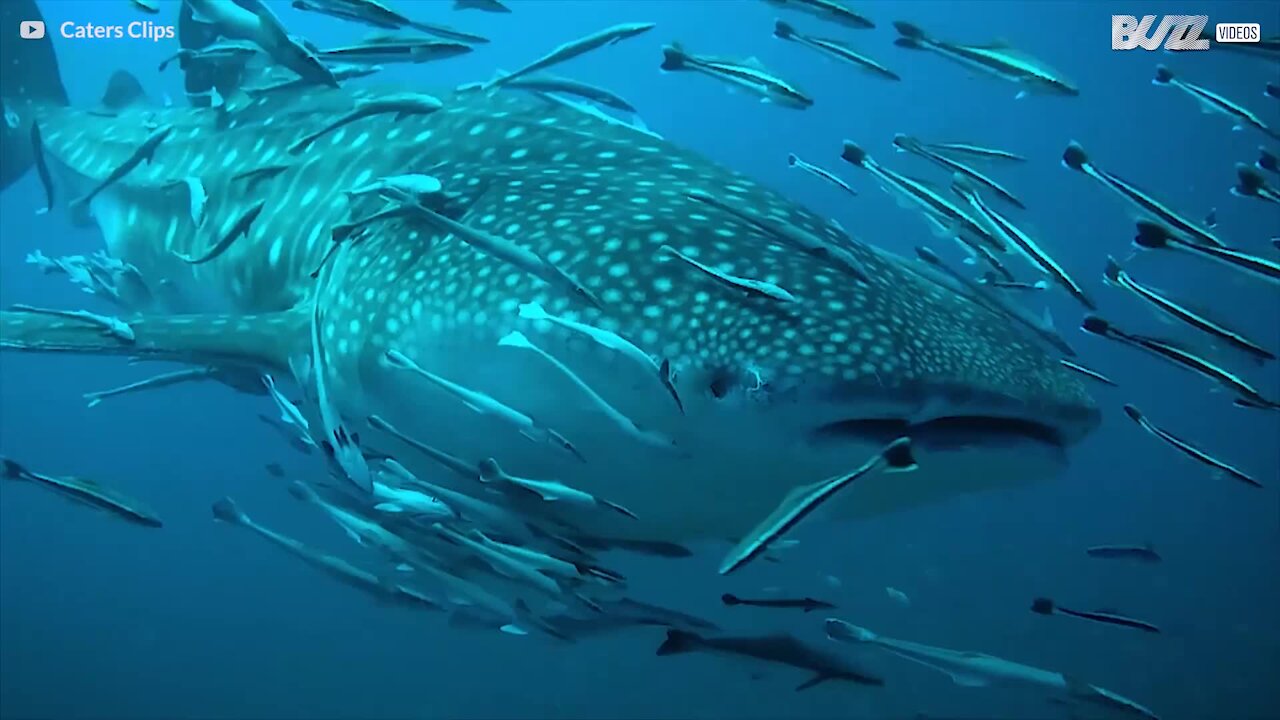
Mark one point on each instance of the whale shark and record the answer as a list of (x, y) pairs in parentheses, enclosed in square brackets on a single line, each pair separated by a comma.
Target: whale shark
[(775, 395)]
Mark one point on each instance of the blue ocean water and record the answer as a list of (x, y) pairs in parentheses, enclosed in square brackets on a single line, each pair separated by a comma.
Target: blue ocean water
[(104, 620)]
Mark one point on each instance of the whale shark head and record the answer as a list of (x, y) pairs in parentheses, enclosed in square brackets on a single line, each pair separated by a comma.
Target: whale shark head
[(776, 394)]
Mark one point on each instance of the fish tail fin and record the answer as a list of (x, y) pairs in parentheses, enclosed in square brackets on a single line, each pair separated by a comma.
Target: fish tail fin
[(792, 159), (228, 512), (673, 57), (123, 90), (679, 641), (1151, 235), (532, 311), (817, 679), (1163, 76), (783, 30), (1042, 606), (1111, 273), (962, 186), (1074, 156), (1250, 181), (11, 469), (911, 36), (853, 153), (30, 78), (266, 339), (898, 456), (730, 599), (1267, 160)]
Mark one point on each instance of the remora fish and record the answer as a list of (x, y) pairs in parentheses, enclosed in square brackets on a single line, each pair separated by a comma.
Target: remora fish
[(493, 6), (375, 14), (798, 239), (602, 38), (749, 287), (903, 343), (974, 152), (86, 491), (397, 49), (1093, 374), (907, 143), (399, 106), (1251, 183), (1014, 237), (749, 74), (830, 10), (832, 48), (226, 51), (628, 426), (109, 325), (146, 152), (995, 59), (781, 649), (1187, 448), (794, 161), (1143, 553), (612, 341), (240, 228), (225, 510), (1045, 606), (1154, 236), (547, 83), (197, 196), (802, 501), (1248, 396), (1075, 158), (289, 50), (806, 604), (923, 196), (965, 668), (547, 490), (158, 381), (486, 405), (1115, 275), (1212, 102), (975, 669), (339, 443), (519, 257), (341, 72)]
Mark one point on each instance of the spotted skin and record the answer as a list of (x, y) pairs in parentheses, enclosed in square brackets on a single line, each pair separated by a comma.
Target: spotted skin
[(598, 201)]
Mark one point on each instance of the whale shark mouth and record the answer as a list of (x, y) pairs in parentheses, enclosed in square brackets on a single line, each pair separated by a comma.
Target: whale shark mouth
[(944, 433)]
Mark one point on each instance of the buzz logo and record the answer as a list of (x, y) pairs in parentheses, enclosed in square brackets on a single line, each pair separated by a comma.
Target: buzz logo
[(1177, 32)]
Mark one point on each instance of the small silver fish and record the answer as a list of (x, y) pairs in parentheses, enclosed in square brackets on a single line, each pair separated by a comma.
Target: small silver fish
[(748, 286), (803, 500)]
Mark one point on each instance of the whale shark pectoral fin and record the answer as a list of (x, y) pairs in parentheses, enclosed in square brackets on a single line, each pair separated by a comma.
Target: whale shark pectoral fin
[(266, 339)]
